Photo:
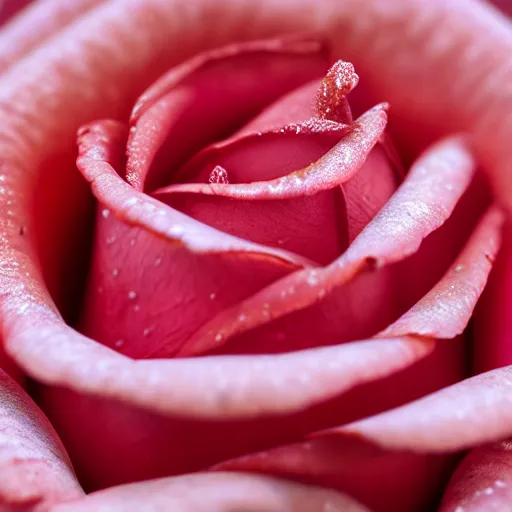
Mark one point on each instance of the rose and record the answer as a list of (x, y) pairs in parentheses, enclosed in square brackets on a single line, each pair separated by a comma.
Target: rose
[(163, 283), (100, 372)]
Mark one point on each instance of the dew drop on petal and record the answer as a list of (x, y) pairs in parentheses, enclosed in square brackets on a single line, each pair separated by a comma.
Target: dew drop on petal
[(119, 343), (105, 213), (219, 175), (115, 272), (132, 294)]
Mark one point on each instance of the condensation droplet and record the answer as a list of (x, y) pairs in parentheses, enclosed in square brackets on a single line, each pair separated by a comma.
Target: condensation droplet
[(459, 268), (158, 261), (218, 337), (119, 343), (105, 213), (132, 294), (242, 317), (115, 272), (132, 242), (219, 175), (212, 296), (148, 330)]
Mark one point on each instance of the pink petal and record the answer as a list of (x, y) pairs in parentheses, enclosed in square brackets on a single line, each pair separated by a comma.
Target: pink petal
[(35, 468), (481, 482), (36, 24), (383, 481), (184, 105), (493, 322), (424, 201), (215, 492), (8, 8), (334, 168), (432, 424), (186, 259)]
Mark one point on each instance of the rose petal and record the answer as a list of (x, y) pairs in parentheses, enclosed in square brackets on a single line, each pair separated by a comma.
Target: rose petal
[(438, 313), (431, 424), (36, 24), (382, 480), (334, 168), (481, 482), (8, 8), (492, 324), (422, 204), (35, 468), (184, 104), (215, 492), (179, 255)]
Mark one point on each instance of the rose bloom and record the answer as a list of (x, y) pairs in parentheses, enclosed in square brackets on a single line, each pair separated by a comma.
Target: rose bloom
[(238, 276)]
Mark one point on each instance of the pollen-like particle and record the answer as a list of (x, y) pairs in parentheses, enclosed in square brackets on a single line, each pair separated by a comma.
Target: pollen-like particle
[(219, 175), (338, 82)]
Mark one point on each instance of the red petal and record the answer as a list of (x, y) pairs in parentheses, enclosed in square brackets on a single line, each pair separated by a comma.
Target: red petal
[(209, 96), (482, 481), (493, 322), (424, 201), (219, 492), (334, 168), (186, 259), (36, 24), (383, 481), (35, 468), (434, 423)]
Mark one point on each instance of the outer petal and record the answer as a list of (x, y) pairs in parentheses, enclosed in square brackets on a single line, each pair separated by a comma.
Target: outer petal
[(35, 468), (215, 493), (36, 24), (383, 481), (482, 481)]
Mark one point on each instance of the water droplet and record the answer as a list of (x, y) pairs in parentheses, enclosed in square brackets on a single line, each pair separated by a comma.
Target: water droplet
[(136, 308), (212, 296), (242, 317), (119, 343), (218, 337), (105, 213), (459, 268), (148, 330), (132, 294), (158, 261), (132, 242), (219, 175), (110, 240), (115, 272), (321, 293)]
